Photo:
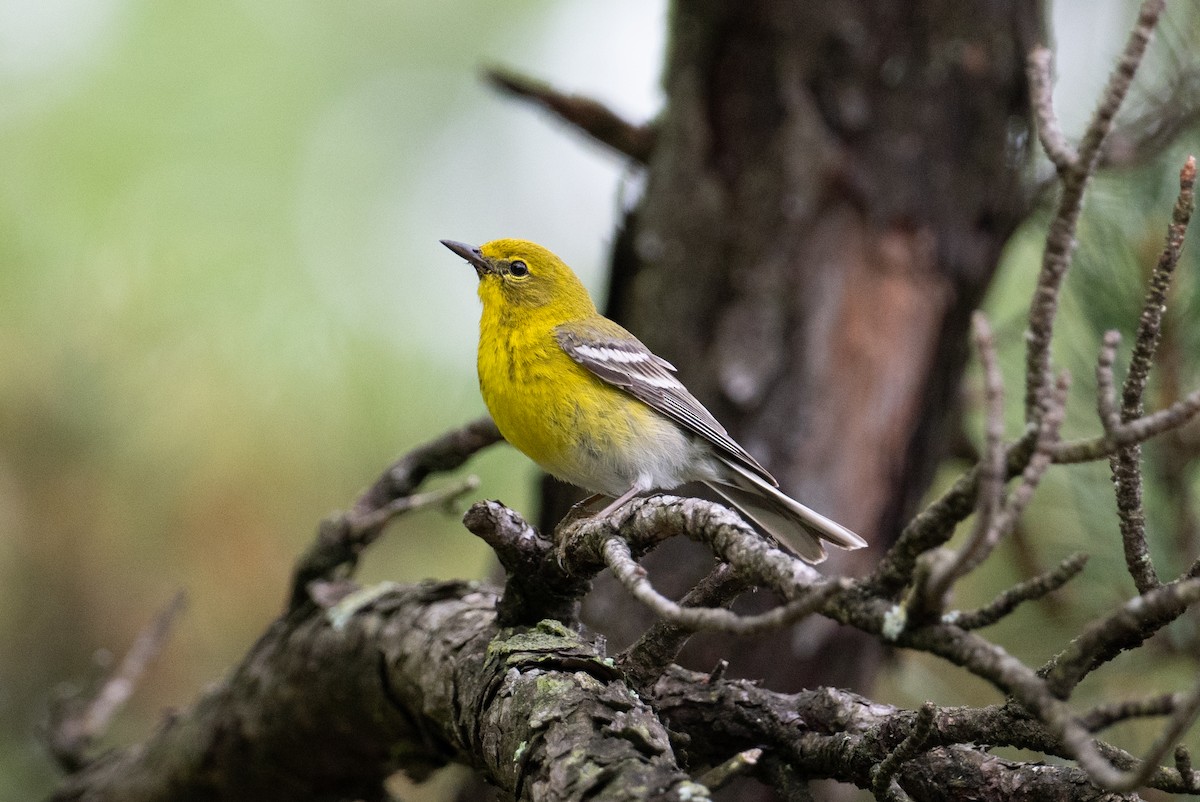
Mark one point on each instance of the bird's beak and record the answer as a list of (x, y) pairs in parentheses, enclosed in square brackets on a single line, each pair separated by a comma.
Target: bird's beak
[(471, 254)]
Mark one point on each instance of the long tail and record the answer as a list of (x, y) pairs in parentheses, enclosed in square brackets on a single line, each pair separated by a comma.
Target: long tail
[(783, 517)]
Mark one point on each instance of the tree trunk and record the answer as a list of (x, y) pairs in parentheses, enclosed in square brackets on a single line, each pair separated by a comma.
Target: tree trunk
[(830, 189)]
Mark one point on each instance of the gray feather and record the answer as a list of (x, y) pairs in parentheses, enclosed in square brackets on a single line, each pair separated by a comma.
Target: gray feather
[(617, 357), (783, 516), (630, 365)]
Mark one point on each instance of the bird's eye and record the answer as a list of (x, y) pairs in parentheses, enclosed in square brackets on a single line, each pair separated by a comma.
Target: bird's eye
[(518, 268)]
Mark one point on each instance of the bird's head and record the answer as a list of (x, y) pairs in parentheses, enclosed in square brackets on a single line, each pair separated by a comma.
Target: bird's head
[(516, 274)]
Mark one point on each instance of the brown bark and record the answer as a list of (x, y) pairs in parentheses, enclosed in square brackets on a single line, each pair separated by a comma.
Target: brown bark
[(330, 701), (828, 195)]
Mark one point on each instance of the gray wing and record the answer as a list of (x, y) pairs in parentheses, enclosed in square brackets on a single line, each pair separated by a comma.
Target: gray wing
[(622, 360)]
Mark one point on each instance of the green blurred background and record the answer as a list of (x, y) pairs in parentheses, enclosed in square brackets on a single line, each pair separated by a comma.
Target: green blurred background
[(224, 309)]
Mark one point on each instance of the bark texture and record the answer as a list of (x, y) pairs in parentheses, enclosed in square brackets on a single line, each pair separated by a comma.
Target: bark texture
[(331, 702), (828, 194)]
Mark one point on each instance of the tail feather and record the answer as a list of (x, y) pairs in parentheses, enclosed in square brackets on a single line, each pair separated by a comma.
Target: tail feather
[(783, 517)]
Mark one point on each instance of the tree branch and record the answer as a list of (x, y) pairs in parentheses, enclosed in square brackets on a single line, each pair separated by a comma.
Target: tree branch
[(76, 724), (407, 679), (1039, 67), (1009, 600), (649, 656), (1126, 462), (1060, 241), (342, 538), (589, 116), (831, 733)]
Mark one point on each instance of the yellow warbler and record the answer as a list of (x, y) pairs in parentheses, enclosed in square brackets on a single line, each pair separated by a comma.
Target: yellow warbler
[(590, 404)]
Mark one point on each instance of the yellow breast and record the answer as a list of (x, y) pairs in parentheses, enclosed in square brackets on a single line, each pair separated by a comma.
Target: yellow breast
[(574, 425)]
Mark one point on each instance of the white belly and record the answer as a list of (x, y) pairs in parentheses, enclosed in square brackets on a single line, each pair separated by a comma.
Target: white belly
[(666, 459)]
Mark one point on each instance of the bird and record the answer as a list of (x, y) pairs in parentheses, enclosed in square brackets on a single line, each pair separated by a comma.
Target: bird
[(593, 406)]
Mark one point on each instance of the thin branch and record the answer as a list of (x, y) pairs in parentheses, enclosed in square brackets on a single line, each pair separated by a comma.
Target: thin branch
[(70, 736), (632, 576), (1121, 79), (341, 539), (933, 595), (1030, 589), (1149, 331), (882, 783), (1093, 757), (1054, 410), (1039, 67), (863, 732), (1126, 462), (584, 546), (935, 524), (1106, 383), (582, 113), (446, 453), (1126, 628), (994, 475), (1101, 769), (648, 657), (1060, 240), (996, 517), (1136, 431), (1104, 716), (644, 523), (1041, 693), (364, 529)]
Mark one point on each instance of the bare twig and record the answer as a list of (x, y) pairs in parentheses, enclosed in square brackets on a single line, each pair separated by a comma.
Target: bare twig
[(934, 595), (1106, 384), (1126, 462), (996, 517), (882, 781), (1034, 588), (589, 116), (633, 577), (863, 732), (365, 528), (81, 723), (342, 538), (720, 776), (1136, 431), (646, 522), (650, 654), (994, 474), (1039, 67), (1126, 628), (1054, 410), (1150, 324), (1105, 716), (1102, 770), (1060, 241), (934, 525), (1041, 693), (446, 453)]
